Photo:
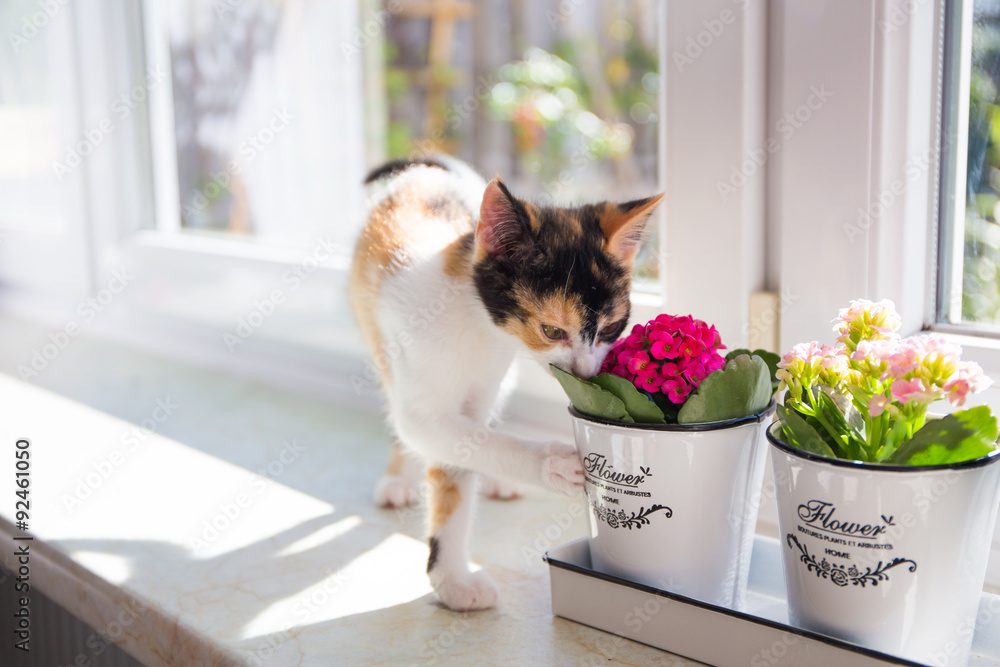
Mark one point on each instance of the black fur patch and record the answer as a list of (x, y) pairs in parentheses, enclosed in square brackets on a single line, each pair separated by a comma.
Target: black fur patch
[(556, 259), (394, 167), (629, 205), (432, 559)]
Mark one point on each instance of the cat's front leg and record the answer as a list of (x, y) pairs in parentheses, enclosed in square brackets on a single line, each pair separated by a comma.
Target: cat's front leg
[(561, 468), (451, 499), (456, 440)]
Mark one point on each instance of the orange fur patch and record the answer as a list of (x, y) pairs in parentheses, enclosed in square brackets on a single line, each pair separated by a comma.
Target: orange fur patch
[(445, 497), (384, 247), (396, 459), (552, 310), (458, 259), (623, 229)]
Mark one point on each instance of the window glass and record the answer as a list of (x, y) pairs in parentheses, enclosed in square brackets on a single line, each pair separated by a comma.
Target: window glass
[(560, 99), (33, 160), (970, 267), (267, 113)]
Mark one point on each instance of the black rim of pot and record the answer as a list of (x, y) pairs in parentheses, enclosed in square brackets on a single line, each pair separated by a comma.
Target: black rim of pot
[(686, 428), (875, 467)]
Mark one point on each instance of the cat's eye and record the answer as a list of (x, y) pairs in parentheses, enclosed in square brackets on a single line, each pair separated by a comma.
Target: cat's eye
[(610, 333), (553, 333)]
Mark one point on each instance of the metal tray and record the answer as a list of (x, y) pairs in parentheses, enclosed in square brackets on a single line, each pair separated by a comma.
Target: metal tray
[(758, 636)]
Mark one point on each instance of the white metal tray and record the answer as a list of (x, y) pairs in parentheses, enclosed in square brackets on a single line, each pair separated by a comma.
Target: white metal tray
[(758, 636)]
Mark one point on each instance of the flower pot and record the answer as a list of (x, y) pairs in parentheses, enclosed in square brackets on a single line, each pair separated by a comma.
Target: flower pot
[(889, 557), (674, 506)]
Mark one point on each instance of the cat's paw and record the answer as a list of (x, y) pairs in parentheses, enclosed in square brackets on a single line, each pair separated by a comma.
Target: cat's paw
[(497, 489), (395, 491), (467, 591), (562, 471)]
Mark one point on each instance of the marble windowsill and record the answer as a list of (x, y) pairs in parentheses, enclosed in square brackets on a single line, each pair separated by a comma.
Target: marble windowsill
[(301, 568)]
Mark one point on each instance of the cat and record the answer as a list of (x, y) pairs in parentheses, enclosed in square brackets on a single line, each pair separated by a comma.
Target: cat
[(451, 278)]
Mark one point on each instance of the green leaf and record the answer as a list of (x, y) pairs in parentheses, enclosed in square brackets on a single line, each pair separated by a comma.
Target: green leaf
[(637, 404), (590, 399), (893, 439), (797, 433), (740, 389), (770, 358), (839, 411), (961, 436)]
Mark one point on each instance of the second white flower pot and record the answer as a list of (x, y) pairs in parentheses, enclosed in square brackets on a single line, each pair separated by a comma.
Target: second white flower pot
[(892, 558)]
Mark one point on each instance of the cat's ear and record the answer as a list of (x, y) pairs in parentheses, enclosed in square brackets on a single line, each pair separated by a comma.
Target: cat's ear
[(623, 225), (502, 231)]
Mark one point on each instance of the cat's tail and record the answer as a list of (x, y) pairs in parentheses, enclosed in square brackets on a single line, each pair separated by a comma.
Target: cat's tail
[(467, 183), (394, 167)]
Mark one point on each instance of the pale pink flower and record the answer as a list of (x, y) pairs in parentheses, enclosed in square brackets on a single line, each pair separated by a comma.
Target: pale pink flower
[(803, 353), (968, 380), (905, 391), (905, 359), (867, 320), (877, 405)]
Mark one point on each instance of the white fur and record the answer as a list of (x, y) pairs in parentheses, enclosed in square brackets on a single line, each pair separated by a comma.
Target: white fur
[(447, 362), (446, 380)]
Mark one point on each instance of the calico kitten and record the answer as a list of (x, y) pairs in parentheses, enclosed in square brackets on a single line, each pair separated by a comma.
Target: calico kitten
[(453, 277)]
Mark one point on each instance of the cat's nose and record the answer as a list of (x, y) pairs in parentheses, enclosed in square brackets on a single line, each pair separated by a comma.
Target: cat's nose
[(586, 368)]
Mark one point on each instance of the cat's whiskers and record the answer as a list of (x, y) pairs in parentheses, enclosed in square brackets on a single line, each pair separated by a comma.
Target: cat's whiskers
[(568, 275)]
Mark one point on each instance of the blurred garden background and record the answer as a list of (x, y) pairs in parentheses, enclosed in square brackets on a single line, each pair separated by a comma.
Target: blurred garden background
[(981, 267), (558, 97)]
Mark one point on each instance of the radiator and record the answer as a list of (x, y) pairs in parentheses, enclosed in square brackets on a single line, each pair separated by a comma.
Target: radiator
[(58, 638)]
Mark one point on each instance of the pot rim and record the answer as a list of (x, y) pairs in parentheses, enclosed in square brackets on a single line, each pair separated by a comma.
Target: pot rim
[(682, 428), (778, 445)]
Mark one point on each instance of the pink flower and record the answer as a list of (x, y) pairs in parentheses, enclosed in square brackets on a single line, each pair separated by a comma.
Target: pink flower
[(649, 380), (638, 363), (905, 391), (676, 390), (665, 347), (670, 369), (802, 353), (669, 354), (877, 405), (691, 347), (968, 380), (866, 320), (636, 337)]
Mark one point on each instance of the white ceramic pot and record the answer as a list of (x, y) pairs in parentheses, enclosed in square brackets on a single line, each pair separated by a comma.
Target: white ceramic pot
[(889, 557), (675, 506)]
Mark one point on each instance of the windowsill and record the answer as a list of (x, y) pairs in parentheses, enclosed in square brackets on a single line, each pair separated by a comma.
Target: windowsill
[(307, 563), (310, 528)]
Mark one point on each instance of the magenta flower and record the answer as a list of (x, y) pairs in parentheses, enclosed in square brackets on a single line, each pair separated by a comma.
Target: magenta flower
[(666, 346), (638, 363), (670, 355), (649, 379), (676, 390)]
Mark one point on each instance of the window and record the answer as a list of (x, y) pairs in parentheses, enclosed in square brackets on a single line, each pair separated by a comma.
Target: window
[(969, 281), (29, 131), (229, 184), (37, 103), (263, 127), (561, 99)]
